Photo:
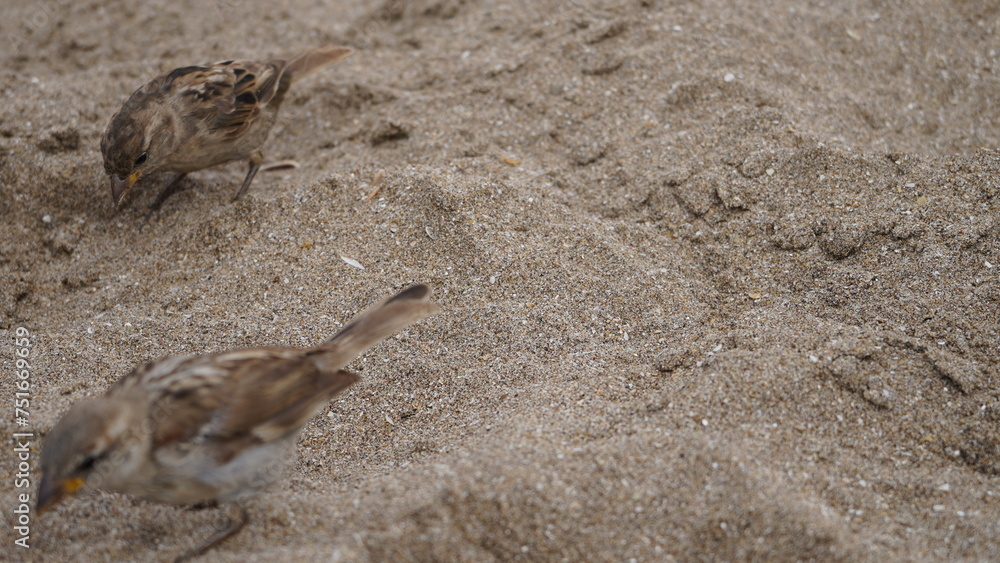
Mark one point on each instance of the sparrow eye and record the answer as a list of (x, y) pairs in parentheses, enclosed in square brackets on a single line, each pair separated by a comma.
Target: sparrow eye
[(88, 463), (141, 159)]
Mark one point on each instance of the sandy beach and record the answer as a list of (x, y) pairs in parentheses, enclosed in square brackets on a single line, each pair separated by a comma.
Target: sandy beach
[(719, 281)]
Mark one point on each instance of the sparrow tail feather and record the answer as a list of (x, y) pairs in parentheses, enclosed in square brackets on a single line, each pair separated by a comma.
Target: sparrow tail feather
[(314, 60), (374, 325)]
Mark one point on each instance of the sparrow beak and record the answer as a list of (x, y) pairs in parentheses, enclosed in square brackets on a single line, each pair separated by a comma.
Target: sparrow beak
[(120, 186), (50, 493)]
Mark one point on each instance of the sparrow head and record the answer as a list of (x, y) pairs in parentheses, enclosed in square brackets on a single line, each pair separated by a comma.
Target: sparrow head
[(136, 142), (77, 445)]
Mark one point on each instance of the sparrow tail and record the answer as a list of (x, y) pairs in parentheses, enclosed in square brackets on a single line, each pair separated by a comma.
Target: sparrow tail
[(314, 60), (374, 325)]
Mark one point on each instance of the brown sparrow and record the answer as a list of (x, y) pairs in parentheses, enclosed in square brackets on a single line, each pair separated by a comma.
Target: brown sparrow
[(213, 428), (196, 117)]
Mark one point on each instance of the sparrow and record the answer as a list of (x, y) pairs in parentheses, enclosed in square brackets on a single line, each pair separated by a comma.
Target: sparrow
[(210, 429), (196, 117)]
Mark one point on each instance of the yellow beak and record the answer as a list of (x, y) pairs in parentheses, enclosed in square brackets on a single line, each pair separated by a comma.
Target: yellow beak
[(71, 486), (120, 186), (49, 495)]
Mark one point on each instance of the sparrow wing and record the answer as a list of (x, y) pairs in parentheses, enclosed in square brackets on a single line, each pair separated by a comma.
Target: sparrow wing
[(228, 94), (277, 390), (275, 393), (231, 95), (254, 86), (262, 394), (259, 394), (256, 395)]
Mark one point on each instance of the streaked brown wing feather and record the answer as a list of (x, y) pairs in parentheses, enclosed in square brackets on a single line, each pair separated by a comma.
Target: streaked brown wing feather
[(264, 394), (276, 396), (260, 394), (253, 88), (293, 401), (185, 393), (229, 94), (183, 415)]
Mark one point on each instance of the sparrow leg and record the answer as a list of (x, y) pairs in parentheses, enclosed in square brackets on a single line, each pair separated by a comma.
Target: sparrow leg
[(235, 525), (255, 160), (166, 192)]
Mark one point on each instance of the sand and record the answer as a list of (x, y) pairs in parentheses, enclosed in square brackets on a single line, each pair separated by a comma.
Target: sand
[(719, 280)]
